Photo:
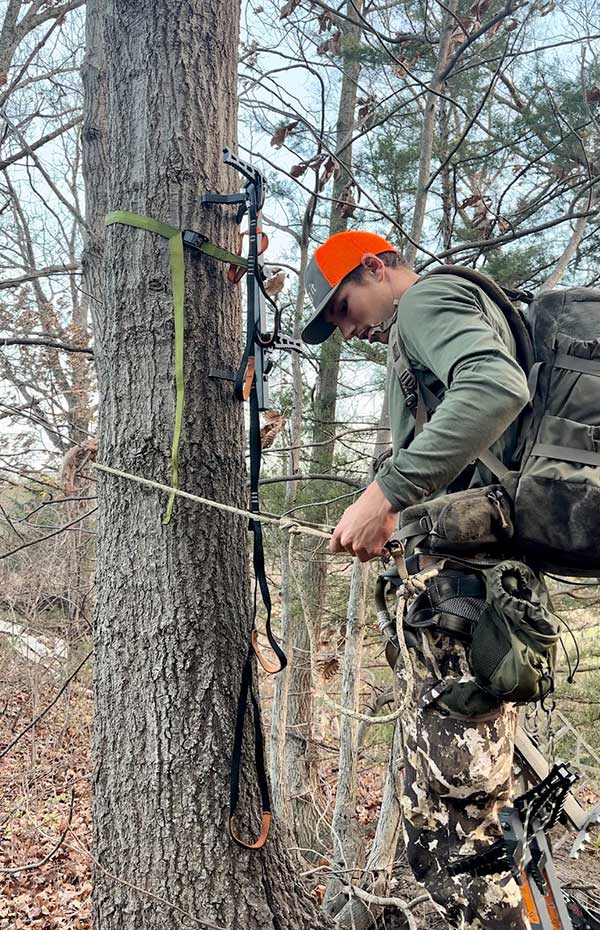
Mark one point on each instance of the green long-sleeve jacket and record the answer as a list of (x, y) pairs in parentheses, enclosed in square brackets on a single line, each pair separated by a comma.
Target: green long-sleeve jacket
[(459, 344)]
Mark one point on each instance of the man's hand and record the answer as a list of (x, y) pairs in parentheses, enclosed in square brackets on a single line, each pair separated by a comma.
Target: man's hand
[(365, 526)]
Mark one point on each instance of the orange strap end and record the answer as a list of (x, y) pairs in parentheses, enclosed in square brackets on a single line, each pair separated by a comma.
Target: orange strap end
[(235, 273), (265, 826), (248, 378)]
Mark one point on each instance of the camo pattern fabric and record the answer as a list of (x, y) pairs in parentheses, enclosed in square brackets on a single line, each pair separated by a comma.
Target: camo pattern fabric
[(458, 775)]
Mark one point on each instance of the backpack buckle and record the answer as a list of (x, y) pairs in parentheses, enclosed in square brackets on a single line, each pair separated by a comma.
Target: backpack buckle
[(409, 386)]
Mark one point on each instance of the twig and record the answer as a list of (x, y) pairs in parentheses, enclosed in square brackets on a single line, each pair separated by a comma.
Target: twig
[(49, 343), (404, 906), (61, 529), (29, 726), (36, 865), (148, 894)]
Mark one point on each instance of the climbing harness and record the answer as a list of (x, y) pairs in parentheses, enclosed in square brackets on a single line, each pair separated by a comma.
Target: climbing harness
[(250, 383)]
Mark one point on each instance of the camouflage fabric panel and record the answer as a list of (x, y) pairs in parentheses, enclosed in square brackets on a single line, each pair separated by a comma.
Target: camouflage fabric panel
[(457, 777)]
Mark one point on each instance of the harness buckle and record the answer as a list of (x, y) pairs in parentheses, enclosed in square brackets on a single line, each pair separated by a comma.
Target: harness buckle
[(409, 386)]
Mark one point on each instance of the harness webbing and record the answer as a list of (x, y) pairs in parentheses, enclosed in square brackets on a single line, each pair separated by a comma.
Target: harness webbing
[(176, 261), (176, 239)]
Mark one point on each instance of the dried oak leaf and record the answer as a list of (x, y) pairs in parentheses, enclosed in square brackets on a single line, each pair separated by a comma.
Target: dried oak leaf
[(274, 283), (328, 665), (330, 168), (348, 206), (296, 171), (365, 106), (288, 8), (74, 461), (333, 45), (281, 134), (274, 425), (325, 20), (593, 94)]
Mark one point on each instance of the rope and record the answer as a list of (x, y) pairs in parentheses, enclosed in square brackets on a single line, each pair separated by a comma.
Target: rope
[(292, 526), (403, 595)]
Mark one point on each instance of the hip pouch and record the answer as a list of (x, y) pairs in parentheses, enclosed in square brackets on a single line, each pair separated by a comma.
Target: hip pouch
[(460, 523), (513, 649)]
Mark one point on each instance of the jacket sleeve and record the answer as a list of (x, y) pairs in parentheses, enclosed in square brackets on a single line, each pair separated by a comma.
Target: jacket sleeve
[(445, 331)]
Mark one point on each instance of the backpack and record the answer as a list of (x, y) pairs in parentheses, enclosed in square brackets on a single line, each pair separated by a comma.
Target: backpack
[(554, 484)]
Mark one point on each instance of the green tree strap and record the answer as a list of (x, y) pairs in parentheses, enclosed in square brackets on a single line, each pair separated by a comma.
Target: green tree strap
[(223, 255), (175, 237)]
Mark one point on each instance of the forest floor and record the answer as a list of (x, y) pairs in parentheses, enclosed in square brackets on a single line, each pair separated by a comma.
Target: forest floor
[(45, 807)]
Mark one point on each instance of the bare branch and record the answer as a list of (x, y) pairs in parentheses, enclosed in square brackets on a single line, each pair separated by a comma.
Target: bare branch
[(40, 273), (47, 341), (28, 149), (36, 865)]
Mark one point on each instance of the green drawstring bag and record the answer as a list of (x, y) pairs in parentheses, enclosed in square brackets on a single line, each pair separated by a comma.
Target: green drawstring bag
[(513, 650)]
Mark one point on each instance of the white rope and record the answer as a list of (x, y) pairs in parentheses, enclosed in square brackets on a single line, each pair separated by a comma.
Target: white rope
[(292, 526)]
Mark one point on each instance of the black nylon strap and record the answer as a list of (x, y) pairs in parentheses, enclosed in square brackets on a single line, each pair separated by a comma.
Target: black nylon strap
[(256, 527), (573, 363), (566, 454), (259, 751), (420, 527), (247, 387)]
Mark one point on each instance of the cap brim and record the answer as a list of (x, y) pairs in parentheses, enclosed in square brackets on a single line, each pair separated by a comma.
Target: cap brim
[(317, 329)]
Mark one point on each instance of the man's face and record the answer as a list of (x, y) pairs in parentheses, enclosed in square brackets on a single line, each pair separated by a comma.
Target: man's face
[(356, 307)]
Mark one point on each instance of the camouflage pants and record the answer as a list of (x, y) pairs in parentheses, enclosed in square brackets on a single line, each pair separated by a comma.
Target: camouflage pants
[(457, 777)]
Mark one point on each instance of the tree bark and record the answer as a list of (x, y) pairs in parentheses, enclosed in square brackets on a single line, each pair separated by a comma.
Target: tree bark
[(348, 845), (173, 618), (300, 760)]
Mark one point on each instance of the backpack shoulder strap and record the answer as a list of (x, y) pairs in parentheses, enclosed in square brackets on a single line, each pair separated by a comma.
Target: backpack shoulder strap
[(503, 298), (409, 384)]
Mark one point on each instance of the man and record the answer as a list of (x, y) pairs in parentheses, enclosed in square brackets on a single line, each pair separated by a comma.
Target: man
[(458, 343)]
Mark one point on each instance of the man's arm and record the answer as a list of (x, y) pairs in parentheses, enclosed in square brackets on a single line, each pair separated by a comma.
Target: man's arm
[(444, 330)]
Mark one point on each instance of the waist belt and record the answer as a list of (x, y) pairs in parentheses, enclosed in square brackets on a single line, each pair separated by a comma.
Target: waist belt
[(451, 604)]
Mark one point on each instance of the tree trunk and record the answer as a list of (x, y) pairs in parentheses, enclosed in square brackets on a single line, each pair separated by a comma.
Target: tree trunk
[(173, 618), (281, 794), (300, 760), (427, 131), (348, 845), (386, 847)]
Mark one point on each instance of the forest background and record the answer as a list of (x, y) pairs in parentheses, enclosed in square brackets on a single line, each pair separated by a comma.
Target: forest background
[(462, 132)]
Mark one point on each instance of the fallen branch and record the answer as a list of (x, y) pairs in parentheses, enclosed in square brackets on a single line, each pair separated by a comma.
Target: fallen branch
[(400, 903), (36, 865), (29, 726)]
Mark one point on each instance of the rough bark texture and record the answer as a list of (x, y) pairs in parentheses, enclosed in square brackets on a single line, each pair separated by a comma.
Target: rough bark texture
[(173, 616), (348, 845), (386, 848), (300, 760)]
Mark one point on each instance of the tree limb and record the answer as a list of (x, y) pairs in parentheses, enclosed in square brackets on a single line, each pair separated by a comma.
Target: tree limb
[(46, 341)]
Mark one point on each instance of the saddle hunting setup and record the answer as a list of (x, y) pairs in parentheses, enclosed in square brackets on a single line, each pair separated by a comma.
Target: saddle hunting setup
[(544, 509), (249, 383), (559, 465)]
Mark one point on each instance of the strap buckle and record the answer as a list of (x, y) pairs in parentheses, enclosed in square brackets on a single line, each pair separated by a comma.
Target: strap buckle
[(409, 386)]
